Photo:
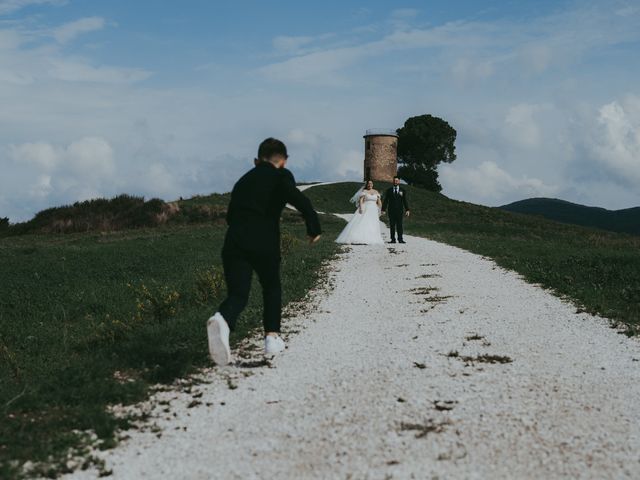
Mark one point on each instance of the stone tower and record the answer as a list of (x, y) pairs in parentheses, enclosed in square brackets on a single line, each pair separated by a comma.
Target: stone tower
[(380, 155)]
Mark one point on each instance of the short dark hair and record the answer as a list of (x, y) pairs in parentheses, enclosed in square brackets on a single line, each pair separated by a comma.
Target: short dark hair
[(271, 147), (396, 176)]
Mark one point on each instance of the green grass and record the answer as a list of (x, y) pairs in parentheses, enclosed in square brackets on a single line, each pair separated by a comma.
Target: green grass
[(599, 271), (76, 308)]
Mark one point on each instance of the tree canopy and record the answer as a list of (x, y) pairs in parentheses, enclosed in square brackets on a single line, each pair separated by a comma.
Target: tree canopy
[(424, 142)]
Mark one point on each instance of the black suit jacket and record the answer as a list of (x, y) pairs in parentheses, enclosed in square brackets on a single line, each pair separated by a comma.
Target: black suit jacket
[(395, 204), (257, 201)]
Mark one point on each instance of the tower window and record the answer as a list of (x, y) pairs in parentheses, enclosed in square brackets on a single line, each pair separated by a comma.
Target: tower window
[(368, 145)]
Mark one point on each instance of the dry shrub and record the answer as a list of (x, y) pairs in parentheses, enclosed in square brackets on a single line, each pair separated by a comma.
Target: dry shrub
[(159, 303), (209, 284), (107, 330)]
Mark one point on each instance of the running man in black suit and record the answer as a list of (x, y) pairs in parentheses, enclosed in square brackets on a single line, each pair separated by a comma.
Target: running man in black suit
[(252, 243), (396, 204)]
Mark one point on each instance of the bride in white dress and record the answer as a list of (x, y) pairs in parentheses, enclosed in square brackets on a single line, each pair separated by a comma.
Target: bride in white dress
[(364, 227)]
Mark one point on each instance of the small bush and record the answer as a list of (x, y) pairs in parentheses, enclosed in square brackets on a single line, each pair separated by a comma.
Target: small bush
[(158, 304), (200, 213), (209, 284), (107, 330), (146, 215)]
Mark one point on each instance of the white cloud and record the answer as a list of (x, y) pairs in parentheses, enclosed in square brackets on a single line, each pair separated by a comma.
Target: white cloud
[(288, 44), (302, 138), (160, 179), (536, 57), (9, 40), (473, 50), (90, 157), (10, 6), (24, 61), (349, 165), (317, 68), (466, 70), (327, 66), (587, 154), (308, 149), (69, 31), (40, 154), (78, 70), (42, 187), (521, 125), (489, 184), (85, 157), (50, 173), (616, 140)]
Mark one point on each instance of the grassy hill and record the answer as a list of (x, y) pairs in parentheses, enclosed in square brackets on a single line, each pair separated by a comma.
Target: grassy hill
[(98, 312), (623, 221), (598, 270), (92, 318), (121, 213)]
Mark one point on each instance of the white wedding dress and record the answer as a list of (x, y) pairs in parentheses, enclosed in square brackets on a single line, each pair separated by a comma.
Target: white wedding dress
[(364, 228)]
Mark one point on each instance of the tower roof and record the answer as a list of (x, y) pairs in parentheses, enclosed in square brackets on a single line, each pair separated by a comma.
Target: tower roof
[(380, 132)]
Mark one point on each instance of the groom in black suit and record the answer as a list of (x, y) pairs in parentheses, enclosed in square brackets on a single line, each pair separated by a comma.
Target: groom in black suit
[(396, 204)]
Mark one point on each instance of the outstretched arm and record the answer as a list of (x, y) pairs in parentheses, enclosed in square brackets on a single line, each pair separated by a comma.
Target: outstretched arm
[(296, 198)]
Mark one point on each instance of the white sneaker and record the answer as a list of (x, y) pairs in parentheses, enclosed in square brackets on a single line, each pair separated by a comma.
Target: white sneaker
[(273, 344), (218, 333)]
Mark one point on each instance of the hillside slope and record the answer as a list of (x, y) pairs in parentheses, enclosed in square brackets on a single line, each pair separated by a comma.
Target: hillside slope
[(122, 212), (599, 270), (95, 313), (624, 221)]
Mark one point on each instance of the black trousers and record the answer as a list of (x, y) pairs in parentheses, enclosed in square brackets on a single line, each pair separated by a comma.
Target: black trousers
[(239, 266), (395, 222)]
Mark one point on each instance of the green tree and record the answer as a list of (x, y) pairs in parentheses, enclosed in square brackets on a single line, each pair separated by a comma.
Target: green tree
[(423, 143)]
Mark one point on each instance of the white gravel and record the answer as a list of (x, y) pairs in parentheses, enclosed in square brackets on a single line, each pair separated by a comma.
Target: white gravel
[(370, 365)]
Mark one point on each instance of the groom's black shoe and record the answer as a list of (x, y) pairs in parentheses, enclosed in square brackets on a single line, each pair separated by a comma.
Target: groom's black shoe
[(402, 241), (392, 241)]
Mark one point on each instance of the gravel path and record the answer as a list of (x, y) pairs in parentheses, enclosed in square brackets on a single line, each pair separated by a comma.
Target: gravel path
[(417, 361)]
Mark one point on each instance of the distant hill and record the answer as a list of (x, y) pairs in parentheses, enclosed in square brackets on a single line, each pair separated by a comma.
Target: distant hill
[(622, 221)]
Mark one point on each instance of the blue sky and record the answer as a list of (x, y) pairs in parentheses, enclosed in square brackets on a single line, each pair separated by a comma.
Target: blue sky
[(171, 99)]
